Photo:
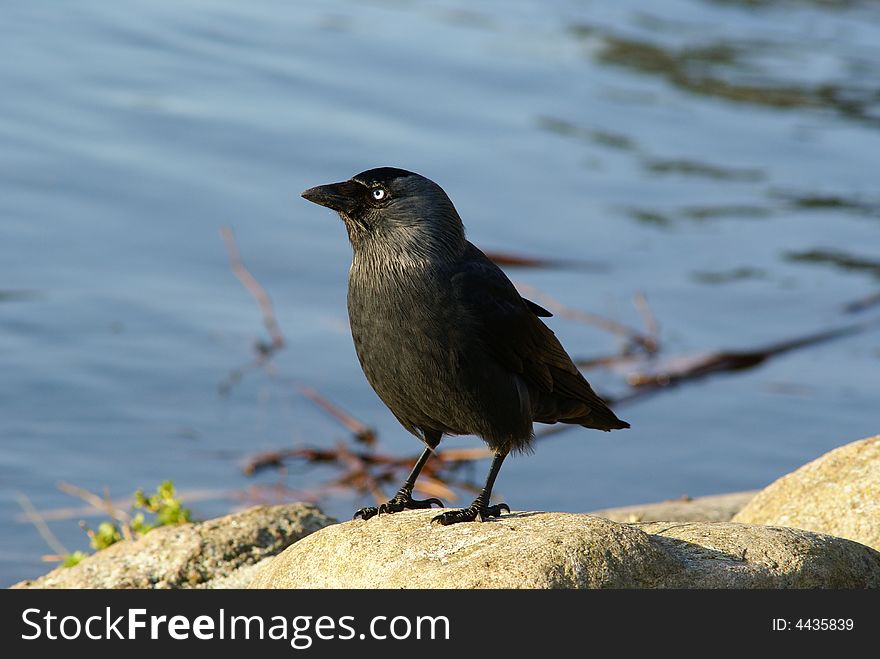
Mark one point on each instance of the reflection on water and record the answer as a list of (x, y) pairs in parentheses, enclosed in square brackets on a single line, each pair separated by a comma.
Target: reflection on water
[(816, 201), (728, 276), (699, 213), (11, 296), (696, 168), (732, 72), (618, 141), (716, 155), (838, 258), (700, 70), (593, 135)]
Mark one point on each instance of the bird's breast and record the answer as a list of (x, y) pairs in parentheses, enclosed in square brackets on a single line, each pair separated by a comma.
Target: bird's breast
[(397, 309), (402, 326), (419, 351)]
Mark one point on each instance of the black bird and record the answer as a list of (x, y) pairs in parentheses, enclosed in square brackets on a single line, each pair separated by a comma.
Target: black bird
[(442, 334)]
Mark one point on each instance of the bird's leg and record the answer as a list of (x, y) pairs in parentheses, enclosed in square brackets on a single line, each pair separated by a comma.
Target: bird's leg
[(403, 499), (480, 508)]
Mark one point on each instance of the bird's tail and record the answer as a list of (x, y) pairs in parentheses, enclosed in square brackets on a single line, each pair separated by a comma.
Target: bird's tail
[(577, 403), (606, 420), (591, 413)]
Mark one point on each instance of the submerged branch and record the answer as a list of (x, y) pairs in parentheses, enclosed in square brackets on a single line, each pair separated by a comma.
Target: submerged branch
[(360, 431), (647, 343), (857, 306), (39, 522), (507, 259), (257, 291), (692, 368)]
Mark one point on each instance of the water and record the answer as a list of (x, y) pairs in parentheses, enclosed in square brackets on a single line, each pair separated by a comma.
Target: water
[(719, 156)]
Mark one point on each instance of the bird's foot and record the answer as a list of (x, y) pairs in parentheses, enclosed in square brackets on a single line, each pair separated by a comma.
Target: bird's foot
[(402, 501), (476, 511)]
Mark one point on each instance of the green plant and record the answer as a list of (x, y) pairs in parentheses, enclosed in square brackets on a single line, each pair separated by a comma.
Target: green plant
[(108, 533), (73, 558), (162, 508), (167, 508)]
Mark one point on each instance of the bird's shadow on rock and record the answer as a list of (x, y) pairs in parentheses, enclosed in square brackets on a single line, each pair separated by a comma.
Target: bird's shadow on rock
[(519, 514)]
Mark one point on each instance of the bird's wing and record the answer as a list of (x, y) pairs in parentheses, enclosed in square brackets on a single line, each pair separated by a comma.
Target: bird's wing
[(537, 309), (511, 332), (507, 324)]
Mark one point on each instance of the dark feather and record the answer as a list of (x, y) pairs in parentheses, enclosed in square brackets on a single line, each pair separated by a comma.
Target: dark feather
[(537, 309), (510, 330)]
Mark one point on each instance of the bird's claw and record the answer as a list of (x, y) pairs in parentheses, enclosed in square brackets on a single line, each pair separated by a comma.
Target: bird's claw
[(402, 501), (396, 505), (366, 513), (470, 514)]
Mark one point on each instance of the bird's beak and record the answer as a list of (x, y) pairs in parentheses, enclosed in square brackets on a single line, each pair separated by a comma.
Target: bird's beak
[(341, 197)]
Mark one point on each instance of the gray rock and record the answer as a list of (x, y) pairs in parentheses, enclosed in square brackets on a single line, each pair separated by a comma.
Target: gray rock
[(729, 555), (563, 550), (838, 493), (714, 508), (240, 577), (192, 555)]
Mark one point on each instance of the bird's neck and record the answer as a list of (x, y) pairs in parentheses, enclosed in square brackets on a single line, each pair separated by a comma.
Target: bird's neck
[(407, 249)]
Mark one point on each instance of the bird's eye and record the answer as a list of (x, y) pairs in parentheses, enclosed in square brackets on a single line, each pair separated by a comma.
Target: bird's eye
[(379, 194)]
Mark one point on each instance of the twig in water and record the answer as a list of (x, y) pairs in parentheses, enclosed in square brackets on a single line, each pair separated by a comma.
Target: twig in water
[(40, 524), (857, 306), (358, 469), (523, 261), (640, 302), (647, 343), (361, 432), (463, 454), (103, 504), (434, 487), (257, 291), (687, 369)]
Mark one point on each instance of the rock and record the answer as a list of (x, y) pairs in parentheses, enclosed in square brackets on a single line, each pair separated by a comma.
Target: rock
[(192, 555), (715, 508), (729, 555), (240, 577), (838, 493), (526, 550), (564, 550)]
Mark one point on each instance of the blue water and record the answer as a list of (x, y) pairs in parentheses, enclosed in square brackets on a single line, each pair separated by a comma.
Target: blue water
[(686, 149)]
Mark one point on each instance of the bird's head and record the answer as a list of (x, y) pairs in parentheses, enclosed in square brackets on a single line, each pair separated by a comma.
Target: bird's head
[(393, 209)]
